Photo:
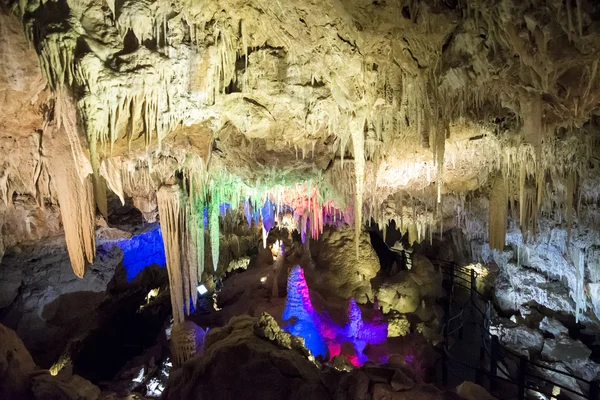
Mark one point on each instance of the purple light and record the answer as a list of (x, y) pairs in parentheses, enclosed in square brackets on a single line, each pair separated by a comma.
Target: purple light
[(322, 335)]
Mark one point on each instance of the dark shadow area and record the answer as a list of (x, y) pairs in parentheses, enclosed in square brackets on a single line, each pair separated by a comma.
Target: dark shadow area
[(126, 329), (386, 256)]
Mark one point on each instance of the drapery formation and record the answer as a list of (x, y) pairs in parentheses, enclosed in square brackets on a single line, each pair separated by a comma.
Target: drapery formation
[(181, 262)]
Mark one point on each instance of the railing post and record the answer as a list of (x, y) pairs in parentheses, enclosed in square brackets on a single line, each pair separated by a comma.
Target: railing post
[(452, 276), (495, 346), (444, 366), (594, 393), (488, 315), (478, 371), (522, 372), (473, 285)]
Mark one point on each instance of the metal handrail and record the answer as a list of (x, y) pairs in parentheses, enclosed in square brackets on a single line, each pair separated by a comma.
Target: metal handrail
[(525, 376)]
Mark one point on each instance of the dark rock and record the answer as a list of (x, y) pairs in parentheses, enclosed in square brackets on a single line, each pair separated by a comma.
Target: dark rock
[(48, 387), (379, 374), (401, 382), (16, 365), (260, 368)]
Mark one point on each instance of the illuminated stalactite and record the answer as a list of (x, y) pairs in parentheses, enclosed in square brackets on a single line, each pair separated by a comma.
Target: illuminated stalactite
[(358, 143), (571, 178), (213, 227), (70, 171), (183, 278), (498, 210)]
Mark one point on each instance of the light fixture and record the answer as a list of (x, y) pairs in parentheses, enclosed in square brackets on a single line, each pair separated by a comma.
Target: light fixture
[(202, 290), (263, 279)]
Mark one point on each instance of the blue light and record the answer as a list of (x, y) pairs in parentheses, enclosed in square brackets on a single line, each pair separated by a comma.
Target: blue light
[(268, 215), (139, 251), (312, 338)]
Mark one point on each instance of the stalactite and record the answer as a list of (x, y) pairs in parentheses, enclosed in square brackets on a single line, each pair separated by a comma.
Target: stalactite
[(183, 277), (112, 175), (197, 206), (358, 143), (69, 170), (213, 226), (570, 20), (578, 259), (98, 182), (569, 204), (498, 214)]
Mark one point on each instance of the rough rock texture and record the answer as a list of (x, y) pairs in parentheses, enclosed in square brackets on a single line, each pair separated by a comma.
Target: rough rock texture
[(21, 379), (24, 179), (259, 367), (338, 267), (426, 101), (49, 306), (16, 365), (267, 363), (472, 391), (553, 327), (63, 387), (52, 303), (519, 338), (406, 291), (517, 285), (400, 293)]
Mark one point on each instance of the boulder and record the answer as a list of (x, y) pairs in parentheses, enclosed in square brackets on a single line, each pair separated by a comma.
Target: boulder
[(16, 365), (338, 268), (400, 293), (398, 327), (382, 391), (427, 276), (472, 391), (553, 327), (516, 285), (565, 349), (73, 387), (52, 302), (260, 368), (519, 338), (401, 382)]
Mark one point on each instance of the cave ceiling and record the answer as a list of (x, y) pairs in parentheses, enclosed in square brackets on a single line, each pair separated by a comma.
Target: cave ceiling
[(406, 108)]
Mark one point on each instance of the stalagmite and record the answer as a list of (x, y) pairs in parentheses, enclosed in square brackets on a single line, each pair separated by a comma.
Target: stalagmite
[(187, 339), (498, 214), (183, 278)]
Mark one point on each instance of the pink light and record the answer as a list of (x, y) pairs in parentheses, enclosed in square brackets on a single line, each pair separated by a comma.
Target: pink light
[(308, 323), (354, 360)]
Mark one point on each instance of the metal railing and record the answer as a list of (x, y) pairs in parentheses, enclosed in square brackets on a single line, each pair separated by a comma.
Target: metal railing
[(498, 363)]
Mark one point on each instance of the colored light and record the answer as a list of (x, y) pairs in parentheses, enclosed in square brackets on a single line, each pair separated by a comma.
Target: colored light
[(322, 336), (139, 251)]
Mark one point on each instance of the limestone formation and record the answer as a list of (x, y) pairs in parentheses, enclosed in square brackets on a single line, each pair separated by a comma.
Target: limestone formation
[(335, 259), (466, 129)]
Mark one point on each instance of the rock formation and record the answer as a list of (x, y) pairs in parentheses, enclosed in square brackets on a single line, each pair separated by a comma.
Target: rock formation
[(463, 128)]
